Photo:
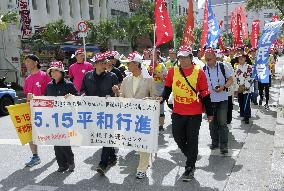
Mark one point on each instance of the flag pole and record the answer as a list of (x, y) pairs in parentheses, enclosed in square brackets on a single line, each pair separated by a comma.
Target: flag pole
[(154, 49), (174, 14)]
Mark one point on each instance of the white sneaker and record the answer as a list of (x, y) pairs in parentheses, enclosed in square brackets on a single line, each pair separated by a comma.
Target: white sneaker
[(140, 175)]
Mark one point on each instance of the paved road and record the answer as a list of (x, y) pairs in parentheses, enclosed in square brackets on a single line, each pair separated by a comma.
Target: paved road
[(247, 167)]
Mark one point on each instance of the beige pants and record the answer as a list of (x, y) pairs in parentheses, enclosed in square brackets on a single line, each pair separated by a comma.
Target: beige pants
[(143, 162)]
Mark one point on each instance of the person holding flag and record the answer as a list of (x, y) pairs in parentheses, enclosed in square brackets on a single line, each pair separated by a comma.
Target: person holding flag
[(159, 72)]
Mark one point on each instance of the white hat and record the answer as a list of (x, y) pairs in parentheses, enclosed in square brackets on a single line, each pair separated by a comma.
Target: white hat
[(184, 51), (101, 56), (56, 65), (133, 57)]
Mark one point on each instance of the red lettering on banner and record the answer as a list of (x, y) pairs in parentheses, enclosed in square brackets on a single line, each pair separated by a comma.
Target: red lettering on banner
[(43, 103)]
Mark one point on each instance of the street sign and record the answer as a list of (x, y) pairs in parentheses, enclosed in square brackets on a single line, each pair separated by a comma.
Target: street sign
[(82, 34), (82, 26)]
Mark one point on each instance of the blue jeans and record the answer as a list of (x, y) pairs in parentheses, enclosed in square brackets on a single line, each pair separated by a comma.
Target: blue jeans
[(218, 127)]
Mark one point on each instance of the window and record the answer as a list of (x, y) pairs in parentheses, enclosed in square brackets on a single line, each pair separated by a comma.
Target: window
[(80, 2), (91, 10), (47, 6), (267, 15), (60, 7), (71, 8), (34, 3)]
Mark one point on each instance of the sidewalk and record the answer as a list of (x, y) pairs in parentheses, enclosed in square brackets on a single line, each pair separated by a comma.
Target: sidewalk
[(277, 167)]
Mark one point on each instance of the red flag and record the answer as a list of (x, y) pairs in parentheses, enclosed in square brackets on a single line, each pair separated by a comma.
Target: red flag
[(275, 18), (205, 26), (242, 12), (220, 40), (254, 33), (164, 29), (188, 35), (238, 40)]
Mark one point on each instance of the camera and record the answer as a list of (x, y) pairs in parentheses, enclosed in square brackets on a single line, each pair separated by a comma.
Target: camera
[(217, 87)]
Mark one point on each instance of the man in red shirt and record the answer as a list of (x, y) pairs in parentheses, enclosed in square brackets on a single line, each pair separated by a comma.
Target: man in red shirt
[(188, 83)]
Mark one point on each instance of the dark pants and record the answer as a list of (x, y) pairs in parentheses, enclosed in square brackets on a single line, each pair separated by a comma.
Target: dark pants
[(218, 127), (254, 94), (230, 109), (185, 130), (64, 156), (263, 87), (108, 154), (244, 104)]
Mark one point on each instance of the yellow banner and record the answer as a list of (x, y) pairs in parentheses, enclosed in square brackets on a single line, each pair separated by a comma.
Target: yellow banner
[(21, 117)]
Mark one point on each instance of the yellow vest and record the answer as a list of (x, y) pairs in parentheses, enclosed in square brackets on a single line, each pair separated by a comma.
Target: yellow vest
[(182, 92), (168, 64), (158, 69)]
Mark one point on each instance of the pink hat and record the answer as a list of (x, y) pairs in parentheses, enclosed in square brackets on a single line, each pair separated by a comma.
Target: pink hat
[(184, 51), (101, 56), (56, 65)]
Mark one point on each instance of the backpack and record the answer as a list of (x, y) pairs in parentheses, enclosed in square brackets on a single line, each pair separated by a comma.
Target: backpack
[(222, 68)]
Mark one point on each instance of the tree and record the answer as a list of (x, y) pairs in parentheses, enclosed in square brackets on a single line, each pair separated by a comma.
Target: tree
[(56, 32), (140, 24), (10, 17), (103, 32), (260, 4)]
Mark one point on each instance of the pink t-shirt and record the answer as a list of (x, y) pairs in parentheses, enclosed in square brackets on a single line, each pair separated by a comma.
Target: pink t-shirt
[(77, 72), (36, 83)]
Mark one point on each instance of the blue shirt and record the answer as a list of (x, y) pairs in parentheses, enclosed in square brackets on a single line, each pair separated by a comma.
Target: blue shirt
[(215, 78)]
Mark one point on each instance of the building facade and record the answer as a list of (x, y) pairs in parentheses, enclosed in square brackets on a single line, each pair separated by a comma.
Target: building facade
[(43, 12), (219, 8)]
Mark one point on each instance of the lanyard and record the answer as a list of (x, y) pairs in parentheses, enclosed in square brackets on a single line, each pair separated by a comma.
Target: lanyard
[(210, 76)]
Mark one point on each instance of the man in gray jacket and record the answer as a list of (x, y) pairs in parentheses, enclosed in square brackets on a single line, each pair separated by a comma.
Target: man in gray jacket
[(137, 86)]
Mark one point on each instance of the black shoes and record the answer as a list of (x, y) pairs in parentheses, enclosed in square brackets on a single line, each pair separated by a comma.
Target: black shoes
[(224, 151), (246, 119), (71, 167), (161, 128), (62, 169), (101, 169), (214, 146), (188, 174)]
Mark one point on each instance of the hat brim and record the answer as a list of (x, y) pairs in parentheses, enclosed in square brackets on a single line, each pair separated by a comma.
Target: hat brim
[(54, 68)]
